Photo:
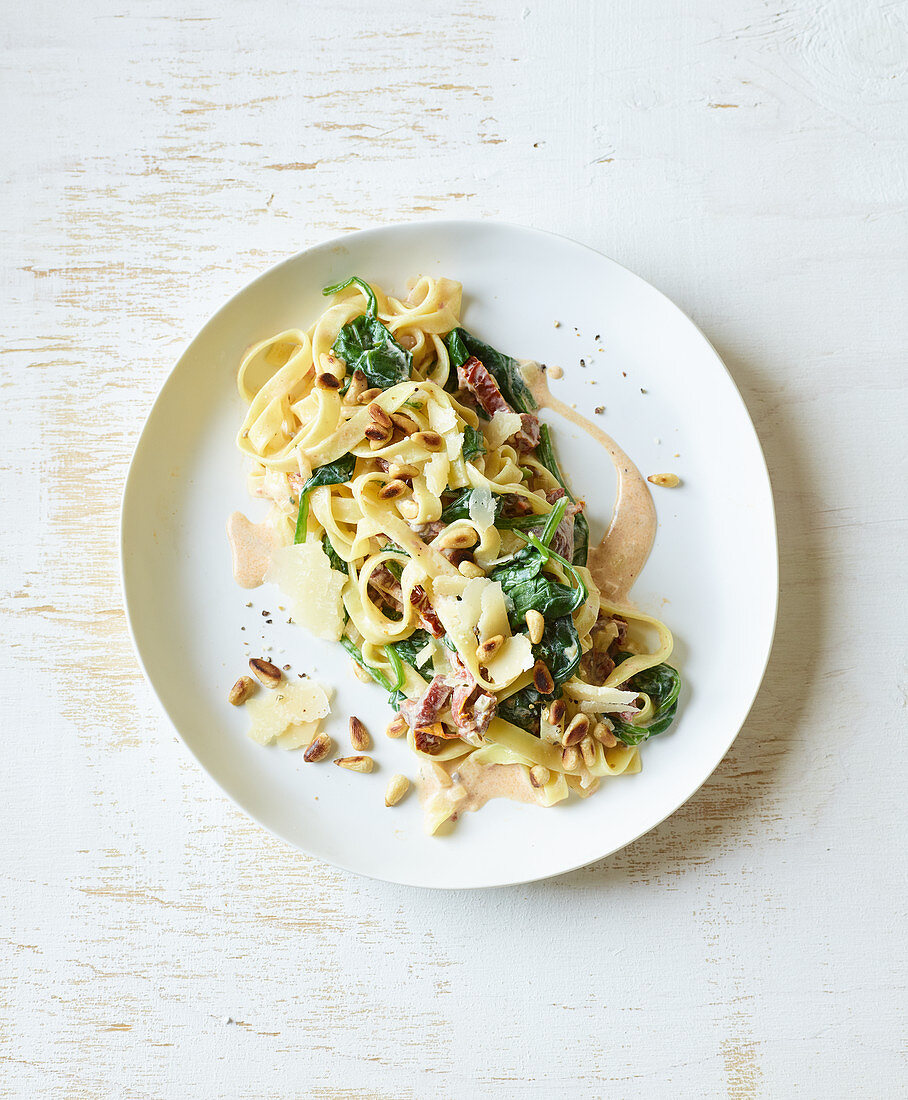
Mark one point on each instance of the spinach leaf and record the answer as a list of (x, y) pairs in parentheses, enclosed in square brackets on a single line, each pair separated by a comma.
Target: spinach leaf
[(473, 442), (408, 648), (560, 649), (365, 344), (458, 507), (545, 452), (337, 562), (523, 707), (332, 473), (662, 684), (505, 370)]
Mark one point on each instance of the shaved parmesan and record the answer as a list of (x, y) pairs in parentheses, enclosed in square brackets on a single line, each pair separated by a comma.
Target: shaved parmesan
[(288, 714), (436, 473), (482, 508), (313, 589), (501, 427)]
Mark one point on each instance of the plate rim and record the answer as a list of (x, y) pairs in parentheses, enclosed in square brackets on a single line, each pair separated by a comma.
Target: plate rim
[(441, 224)]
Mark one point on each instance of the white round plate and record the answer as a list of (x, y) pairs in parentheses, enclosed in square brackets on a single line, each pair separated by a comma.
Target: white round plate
[(712, 576)]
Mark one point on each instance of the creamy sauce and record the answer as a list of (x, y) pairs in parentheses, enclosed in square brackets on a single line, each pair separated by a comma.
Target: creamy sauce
[(469, 786), (250, 545), (619, 558)]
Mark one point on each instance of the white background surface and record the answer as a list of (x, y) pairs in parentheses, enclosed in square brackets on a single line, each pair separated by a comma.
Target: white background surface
[(747, 159)]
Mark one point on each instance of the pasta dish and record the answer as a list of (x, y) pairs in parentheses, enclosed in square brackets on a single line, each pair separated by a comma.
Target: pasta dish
[(419, 518)]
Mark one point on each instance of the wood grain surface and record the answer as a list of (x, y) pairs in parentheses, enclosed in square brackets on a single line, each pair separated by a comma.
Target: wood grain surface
[(748, 159)]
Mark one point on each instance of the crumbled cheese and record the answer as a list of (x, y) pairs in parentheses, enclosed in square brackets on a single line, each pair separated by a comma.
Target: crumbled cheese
[(501, 427), (482, 508), (288, 715)]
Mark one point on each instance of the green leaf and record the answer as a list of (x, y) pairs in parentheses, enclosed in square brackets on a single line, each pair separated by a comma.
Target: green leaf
[(545, 452), (662, 684), (473, 442), (505, 370), (523, 707), (397, 666), (458, 507), (560, 649), (408, 648), (365, 344), (332, 473), (337, 562)]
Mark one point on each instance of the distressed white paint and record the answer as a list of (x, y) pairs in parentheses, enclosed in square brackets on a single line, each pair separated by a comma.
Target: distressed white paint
[(749, 160)]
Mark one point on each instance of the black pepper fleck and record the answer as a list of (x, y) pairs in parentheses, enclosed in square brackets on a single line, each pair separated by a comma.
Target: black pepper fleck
[(642, 390), (265, 614), (597, 337), (599, 410), (582, 362)]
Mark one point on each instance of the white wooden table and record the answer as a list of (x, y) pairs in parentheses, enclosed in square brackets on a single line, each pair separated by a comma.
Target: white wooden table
[(748, 159)]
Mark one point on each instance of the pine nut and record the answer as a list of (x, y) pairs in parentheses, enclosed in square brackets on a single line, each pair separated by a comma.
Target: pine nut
[(406, 423), (409, 509), (588, 751), (667, 481), (327, 382), (556, 712), (570, 758), (489, 648), (360, 673), (368, 396), (470, 569), (377, 433), (380, 417), (432, 441), (535, 626), (539, 775), (356, 763), (542, 678), (397, 727), (605, 735), (359, 735), (356, 388), (241, 691), (270, 675), (578, 728), (318, 749), (403, 469), (397, 788), (393, 490)]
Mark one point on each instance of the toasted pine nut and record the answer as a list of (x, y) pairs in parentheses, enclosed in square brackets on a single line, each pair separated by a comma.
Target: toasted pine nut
[(241, 691), (377, 444), (393, 490), (667, 481), (605, 735), (535, 626), (380, 417), (406, 423), (327, 382), (377, 432), (360, 673), (432, 441), (359, 735), (318, 749), (368, 396), (270, 675), (556, 712), (578, 728), (459, 539), (403, 469), (397, 788), (570, 758), (470, 569), (409, 509), (357, 386), (489, 648), (356, 763), (539, 775), (397, 727), (588, 751), (542, 678)]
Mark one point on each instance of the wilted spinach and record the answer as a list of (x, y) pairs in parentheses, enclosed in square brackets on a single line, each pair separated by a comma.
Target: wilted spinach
[(458, 507), (545, 452), (662, 684), (332, 473), (408, 649), (523, 707), (505, 370), (473, 442), (560, 649), (365, 344), (337, 562)]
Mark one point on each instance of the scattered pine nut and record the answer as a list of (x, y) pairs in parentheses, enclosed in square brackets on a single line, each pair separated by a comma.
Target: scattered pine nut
[(241, 691), (359, 735), (397, 789), (318, 749), (535, 626), (397, 727), (356, 763), (667, 481), (270, 675)]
